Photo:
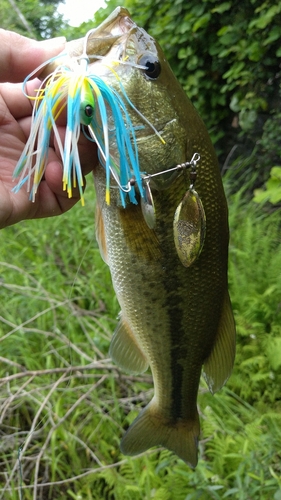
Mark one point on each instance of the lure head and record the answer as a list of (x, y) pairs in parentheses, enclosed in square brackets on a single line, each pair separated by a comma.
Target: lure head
[(87, 105)]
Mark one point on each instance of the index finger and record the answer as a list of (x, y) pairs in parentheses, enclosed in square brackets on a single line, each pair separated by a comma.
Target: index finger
[(18, 104)]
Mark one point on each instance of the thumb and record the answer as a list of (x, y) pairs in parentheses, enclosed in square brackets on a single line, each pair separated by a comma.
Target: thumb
[(20, 55)]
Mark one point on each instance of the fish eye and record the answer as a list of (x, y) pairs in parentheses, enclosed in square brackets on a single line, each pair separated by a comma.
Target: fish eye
[(153, 66)]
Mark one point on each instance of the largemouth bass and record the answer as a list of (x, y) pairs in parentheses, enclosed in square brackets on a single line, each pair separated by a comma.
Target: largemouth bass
[(176, 316)]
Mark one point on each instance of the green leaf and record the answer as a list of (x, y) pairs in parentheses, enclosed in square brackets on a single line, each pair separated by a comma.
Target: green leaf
[(274, 34), (235, 70), (255, 51), (201, 22), (260, 196), (223, 30), (247, 118), (272, 192), (266, 17), (273, 351), (223, 7), (276, 172), (235, 104)]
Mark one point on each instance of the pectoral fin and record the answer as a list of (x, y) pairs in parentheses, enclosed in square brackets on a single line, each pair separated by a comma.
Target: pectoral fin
[(218, 366), (125, 351)]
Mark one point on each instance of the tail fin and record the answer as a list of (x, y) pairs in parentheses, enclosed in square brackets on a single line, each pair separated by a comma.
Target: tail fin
[(151, 429)]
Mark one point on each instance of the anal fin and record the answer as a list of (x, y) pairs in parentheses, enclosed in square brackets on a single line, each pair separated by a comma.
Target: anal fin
[(125, 351), (218, 366), (100, 233)]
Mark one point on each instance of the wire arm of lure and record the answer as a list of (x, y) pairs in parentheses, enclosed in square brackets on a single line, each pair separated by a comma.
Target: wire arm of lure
[(182, 166), (147, 202)]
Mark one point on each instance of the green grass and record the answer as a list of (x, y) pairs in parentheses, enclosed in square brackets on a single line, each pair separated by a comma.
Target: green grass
[(64, 405)]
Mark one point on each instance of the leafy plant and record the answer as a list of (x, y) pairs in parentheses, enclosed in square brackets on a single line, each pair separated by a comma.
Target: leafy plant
[(272, 191), (214, 50)]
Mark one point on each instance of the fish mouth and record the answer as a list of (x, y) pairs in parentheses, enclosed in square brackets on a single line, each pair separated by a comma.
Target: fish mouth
[(110, 35), (117, 39), (118, 23)]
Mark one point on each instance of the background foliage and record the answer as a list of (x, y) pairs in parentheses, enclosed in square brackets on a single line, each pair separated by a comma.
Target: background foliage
[(63, 405), (34, 18)]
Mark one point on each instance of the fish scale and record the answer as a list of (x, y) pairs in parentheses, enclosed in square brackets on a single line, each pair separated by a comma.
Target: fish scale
[(175, 319)]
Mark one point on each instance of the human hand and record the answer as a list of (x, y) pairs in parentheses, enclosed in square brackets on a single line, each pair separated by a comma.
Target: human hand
[(18, 57)]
